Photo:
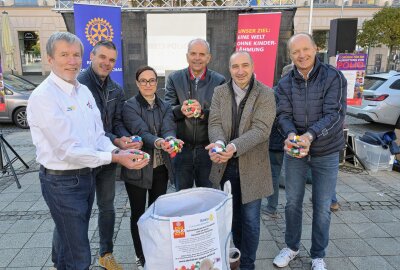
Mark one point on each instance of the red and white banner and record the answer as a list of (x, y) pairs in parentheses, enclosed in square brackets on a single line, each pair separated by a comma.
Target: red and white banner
[(258, 34)]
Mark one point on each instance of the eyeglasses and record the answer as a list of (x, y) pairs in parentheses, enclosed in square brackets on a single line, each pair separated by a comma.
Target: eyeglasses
[(143, 82)]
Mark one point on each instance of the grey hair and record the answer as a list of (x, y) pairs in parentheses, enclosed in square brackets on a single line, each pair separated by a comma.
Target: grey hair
[(199, 40), (59, 36), (290, 41), (241, 52)]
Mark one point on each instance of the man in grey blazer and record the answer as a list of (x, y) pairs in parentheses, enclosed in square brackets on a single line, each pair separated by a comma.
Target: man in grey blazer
[(241, 117)]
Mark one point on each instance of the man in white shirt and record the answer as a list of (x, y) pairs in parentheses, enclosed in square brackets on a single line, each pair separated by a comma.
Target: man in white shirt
[(68, 134)]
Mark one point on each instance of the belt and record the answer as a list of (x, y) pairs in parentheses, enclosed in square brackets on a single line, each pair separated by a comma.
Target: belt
[(82, 171)]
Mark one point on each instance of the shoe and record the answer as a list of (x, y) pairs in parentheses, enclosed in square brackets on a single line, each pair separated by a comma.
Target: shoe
[(140, 263), (284, 257), (234, 259), (318, 264), (335, 206), (108, 262)]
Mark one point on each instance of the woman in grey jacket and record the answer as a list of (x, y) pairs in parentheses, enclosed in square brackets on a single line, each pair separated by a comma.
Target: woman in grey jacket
[(151, 118)]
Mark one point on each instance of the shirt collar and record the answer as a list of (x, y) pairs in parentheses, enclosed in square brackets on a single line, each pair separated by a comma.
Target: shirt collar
[(63, 85), (97, 78), (308, 74), (237, 88), (201, 77)]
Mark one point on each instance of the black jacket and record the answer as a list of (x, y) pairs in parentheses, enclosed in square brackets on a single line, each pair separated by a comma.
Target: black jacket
[(317, 105), (150, 124), (109, 99), (179, 88), (276, 139)]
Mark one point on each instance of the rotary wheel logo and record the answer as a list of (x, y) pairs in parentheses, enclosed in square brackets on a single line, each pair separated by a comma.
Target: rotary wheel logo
[(98, 29)]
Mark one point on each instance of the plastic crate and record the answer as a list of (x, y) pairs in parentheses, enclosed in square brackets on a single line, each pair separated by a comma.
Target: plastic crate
[(374, 157)]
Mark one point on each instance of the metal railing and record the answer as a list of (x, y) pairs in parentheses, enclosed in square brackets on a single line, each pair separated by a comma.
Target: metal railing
[(66, 5)]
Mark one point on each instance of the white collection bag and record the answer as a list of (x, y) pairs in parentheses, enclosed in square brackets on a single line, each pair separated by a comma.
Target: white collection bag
[(157, 231)]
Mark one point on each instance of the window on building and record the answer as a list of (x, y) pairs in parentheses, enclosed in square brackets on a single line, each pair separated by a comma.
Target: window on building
[(281, 2), (31, 59), (26, 2), (324, 2), (364, 2), (396, 3)]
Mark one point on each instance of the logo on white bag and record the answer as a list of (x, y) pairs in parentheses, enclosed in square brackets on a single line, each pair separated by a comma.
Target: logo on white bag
[(179, 229)]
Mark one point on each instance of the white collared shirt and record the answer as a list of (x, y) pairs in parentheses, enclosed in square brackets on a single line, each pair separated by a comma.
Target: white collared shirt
[(66, 126)]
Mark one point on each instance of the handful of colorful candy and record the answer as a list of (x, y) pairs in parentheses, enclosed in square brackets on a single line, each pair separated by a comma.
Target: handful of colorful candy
[(175, 144), (190, 108), (138, 152), (295, 151), (136, 138)]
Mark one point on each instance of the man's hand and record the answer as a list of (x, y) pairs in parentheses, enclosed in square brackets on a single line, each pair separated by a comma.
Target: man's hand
[(126, 143), (192, 109), (130, 160), (166, 146), (220, 157), (302, 143), (305, 143)]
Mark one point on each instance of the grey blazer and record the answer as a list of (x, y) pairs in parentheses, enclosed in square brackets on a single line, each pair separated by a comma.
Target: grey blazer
[(253, 141)]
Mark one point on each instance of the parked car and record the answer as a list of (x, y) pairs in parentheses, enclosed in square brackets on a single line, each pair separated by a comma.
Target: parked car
[(381, 99), (17, 91)]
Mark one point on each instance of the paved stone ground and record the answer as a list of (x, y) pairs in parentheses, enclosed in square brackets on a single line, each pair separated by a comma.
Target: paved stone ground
[(365, 232)]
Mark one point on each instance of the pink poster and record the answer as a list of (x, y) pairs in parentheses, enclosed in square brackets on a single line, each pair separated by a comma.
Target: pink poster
[(258, 34)]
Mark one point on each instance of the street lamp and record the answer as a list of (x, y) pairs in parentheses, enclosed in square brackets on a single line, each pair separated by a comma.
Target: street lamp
[(344, 2)]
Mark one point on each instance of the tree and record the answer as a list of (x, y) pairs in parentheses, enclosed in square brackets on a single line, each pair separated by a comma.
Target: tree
[(320, 39), (383, 28)]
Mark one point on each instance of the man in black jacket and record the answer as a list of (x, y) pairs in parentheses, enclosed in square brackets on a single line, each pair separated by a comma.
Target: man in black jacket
[(189, 91), (311, 111), (109, 98)]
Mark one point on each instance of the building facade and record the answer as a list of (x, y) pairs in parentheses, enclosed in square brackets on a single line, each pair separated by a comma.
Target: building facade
[(31, 23)]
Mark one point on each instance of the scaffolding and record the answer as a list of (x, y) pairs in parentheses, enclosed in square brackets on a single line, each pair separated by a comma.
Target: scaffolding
[(178, 5)]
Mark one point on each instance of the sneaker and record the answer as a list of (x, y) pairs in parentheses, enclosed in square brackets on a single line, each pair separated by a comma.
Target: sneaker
[(108, 262), (335, 206), (318, 264), (284, 257), (140, 263)]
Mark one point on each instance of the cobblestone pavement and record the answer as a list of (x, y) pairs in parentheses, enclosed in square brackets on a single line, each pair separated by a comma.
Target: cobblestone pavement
[(365, 232)]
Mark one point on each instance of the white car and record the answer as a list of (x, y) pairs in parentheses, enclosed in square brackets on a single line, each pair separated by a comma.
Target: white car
[(381, 99)]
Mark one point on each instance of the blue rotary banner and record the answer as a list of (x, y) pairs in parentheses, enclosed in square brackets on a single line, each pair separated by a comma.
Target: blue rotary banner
[(94, 23)]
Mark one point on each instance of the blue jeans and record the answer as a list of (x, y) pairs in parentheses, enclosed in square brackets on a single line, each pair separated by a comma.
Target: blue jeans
[(105, 194), (246, 219), (276, 160), (324, 170), (192, 165), (70, 200), (334, 199)]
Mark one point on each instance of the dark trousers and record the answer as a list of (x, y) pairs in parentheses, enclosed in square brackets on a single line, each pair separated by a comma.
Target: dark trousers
[(105, 194), (137, 200), (246, 219), (70, 200), (192, 165)]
